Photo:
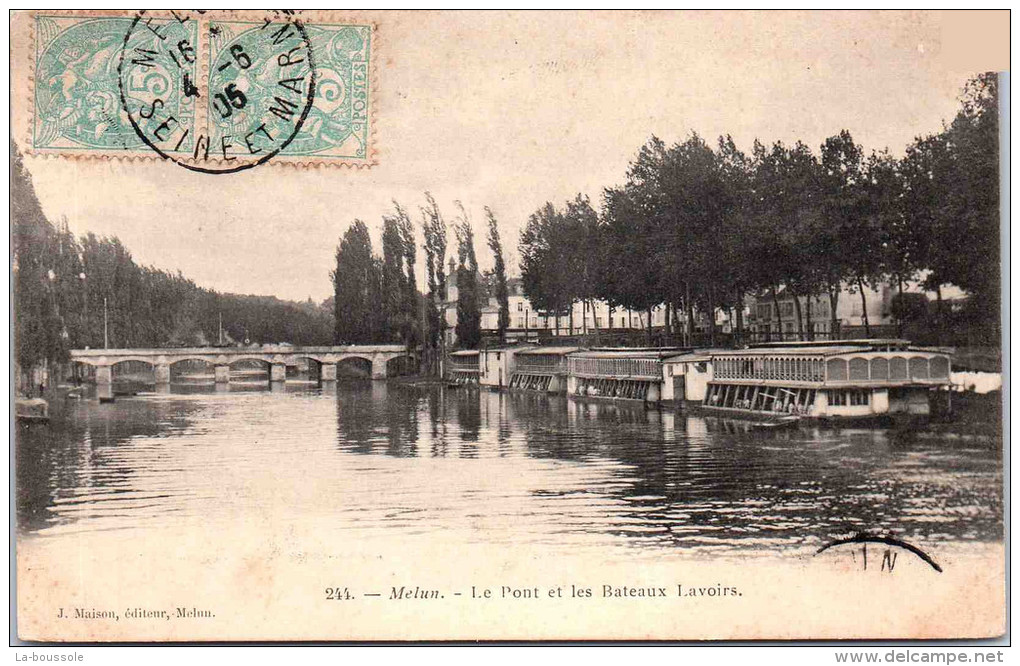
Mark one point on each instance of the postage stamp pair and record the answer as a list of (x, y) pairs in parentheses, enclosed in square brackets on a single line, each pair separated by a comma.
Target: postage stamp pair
[(211, 91)]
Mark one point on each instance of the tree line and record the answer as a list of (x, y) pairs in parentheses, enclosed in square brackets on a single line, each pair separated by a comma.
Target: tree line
[(376, 298), (75, 292), (698, 228)]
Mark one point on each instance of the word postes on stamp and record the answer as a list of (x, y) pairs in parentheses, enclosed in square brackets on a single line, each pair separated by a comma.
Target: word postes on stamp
[(215, 92)]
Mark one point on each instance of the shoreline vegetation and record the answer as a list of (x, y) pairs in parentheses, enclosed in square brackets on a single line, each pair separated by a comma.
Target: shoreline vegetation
[(694, 228)]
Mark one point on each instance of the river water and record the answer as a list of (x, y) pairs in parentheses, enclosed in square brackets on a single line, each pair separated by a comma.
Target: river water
[(387, 460)]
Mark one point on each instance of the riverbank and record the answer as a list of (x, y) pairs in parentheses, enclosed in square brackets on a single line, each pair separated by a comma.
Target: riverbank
[(970, 416)]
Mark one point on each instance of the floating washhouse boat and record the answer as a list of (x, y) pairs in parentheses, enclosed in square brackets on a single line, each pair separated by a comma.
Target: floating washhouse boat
[(495, 366), (463, 367), (622, 374), (686, 376), (845, 378), (541, 369)]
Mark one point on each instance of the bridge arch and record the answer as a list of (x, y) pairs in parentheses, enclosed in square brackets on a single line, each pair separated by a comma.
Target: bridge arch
[(314, 365), (321, 359), (354, 367), (304, 357), (133, 370), (203, 359), (117, 360), (262, 360), (364, 357), (401, 364)]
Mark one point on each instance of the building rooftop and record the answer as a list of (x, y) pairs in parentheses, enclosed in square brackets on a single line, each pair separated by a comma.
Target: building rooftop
[(561, 351), (829, 347), (637, 352), (693, 356), (870, 342)]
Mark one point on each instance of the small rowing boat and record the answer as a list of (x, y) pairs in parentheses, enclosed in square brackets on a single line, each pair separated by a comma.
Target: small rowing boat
[(777, 423), (31, 410)]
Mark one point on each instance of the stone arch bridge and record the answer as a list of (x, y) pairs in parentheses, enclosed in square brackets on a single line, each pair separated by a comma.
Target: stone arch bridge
[(277, 357)]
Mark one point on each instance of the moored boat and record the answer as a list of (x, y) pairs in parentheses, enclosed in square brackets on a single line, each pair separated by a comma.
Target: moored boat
[(541, 369), (618, 374), (845, 378), (31, 410), (777, 423)]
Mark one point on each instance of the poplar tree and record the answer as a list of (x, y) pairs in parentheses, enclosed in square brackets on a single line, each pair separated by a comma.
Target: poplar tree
[(353, 286), (499, 274), (469, 314)]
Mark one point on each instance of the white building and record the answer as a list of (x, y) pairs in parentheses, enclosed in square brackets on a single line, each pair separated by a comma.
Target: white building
[(527, 322), (766, 322)]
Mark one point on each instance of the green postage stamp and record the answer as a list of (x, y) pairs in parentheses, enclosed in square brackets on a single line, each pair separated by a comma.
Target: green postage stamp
[(214, 92)]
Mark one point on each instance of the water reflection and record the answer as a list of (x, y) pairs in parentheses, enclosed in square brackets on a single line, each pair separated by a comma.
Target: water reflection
[(508, 468)]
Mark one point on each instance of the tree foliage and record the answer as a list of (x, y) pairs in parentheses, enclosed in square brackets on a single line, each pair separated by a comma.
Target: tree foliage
[(356, 271), (499, 278), (434, 233), (469, 315), (62, 282), (698, 228)]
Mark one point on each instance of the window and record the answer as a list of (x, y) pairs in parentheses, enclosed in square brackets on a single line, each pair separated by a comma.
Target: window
[(858, 397), (520, 322), (598, 322), (520, 306), (623, 322), (851, 397)]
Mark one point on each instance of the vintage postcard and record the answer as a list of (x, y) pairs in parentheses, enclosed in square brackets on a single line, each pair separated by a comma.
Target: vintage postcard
[(366, 326)]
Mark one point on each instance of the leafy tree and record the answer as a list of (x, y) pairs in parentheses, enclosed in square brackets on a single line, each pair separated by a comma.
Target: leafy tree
[(62, 283), (37, 322), (799, 242), (909, 307), (562, 258), (849, 214), (895, 238), (541, 250), (737, 179), (641, 267), (434, 232), (677, 230), (411, 304), (378, 326), (393, 314), (469, 315), (631, 278), (970, 257), (499, 280), (584, 259), (353, 287)]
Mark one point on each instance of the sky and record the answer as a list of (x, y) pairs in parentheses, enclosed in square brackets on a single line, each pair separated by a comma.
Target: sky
[(510, 110)]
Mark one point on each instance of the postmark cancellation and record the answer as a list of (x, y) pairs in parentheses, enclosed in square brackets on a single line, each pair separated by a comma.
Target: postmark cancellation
[(214, 92)]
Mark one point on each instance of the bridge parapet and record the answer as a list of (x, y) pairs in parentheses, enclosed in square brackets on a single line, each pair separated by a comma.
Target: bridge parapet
[(277, 356), (234, 351)]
